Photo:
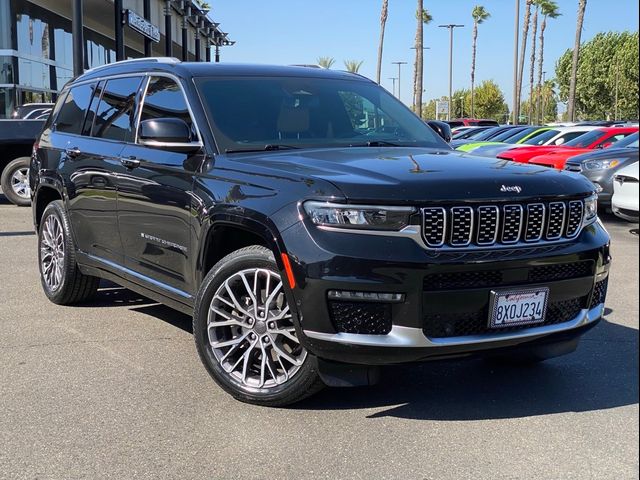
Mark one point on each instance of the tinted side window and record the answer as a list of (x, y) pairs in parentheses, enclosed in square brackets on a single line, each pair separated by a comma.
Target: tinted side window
[(164, 99), (91, 112), (71, 116), (114, 114)]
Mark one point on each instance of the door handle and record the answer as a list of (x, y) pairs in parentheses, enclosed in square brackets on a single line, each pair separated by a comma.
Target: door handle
[(73, 152), (130, 162)]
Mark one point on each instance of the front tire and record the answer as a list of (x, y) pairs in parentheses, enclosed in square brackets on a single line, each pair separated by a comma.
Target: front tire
[(62, 281), (244, 332), (15, 182)]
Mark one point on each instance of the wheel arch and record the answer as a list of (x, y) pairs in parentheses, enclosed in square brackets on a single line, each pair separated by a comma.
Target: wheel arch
[(44, 195)]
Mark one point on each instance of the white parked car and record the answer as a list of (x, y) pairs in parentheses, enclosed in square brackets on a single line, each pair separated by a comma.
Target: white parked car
[(624, 202)]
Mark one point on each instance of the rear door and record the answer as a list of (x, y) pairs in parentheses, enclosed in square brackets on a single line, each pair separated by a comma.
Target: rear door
[(155, 197), (88, 166)]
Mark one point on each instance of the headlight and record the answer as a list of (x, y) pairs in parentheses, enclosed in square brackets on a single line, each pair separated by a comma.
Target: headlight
[(601, 164), (369, 217), (590, 210)]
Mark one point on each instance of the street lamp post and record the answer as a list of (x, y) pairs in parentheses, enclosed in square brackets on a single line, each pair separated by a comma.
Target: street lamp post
[(399, 65), (393, 79), (451, 27)]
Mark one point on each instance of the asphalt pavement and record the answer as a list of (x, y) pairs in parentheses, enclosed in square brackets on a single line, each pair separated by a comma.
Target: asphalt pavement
[(114, 389)]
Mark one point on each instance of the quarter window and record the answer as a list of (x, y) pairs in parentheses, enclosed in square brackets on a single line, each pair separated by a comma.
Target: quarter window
[(164, 99), (114, 115), (71, 116)]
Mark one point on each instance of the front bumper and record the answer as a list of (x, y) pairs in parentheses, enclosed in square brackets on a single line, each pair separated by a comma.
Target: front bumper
[(324, 261)]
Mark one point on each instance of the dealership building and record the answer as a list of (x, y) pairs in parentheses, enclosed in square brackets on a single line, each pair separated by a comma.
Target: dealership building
[(44, 43)]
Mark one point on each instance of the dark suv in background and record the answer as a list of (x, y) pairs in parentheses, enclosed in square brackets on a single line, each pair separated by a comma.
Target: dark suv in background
[(313, 226)]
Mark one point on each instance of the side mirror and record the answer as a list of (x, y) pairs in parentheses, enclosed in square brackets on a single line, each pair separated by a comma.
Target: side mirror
[(167, 133), (441, 128)]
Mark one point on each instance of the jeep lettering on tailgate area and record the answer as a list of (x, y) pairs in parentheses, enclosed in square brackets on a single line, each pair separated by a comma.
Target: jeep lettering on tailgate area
[(313, 226)]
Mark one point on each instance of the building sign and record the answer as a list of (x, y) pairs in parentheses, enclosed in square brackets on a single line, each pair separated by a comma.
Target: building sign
[(142, 26), (442, 107)]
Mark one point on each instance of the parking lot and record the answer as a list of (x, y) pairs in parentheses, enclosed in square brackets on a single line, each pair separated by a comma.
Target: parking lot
[(114, 389)]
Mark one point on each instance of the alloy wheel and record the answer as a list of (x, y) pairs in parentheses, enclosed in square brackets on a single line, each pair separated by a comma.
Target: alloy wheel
[(251, 332), (20, 183), (52, 252)]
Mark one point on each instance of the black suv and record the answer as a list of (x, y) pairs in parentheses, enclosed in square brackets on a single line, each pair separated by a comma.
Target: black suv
[(313, 226)]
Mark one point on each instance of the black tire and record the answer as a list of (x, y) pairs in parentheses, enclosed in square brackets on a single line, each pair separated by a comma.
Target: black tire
[(73, 287), (304, 382), (7, 181)]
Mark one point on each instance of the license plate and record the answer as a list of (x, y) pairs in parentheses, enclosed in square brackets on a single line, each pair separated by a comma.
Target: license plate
[(518, 307)]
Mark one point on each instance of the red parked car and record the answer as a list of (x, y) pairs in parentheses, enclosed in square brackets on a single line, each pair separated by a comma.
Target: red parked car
[(599, 138), (472, 122)]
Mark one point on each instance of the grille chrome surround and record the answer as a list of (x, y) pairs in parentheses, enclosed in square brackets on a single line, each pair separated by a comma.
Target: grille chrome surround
[(464, 226)]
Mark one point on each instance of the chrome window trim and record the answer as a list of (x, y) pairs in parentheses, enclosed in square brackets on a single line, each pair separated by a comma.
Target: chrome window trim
[(444, 228), (468, 242), (511, 242), (526, 227), (497, 229), (411, 337), (581, 224), (564, 218)]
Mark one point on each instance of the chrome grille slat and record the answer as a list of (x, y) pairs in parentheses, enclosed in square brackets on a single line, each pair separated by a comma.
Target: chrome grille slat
[(461, 226), (574, 218), (488, 221), (468, 226), (535, 222), (555, 226), (511, 223)]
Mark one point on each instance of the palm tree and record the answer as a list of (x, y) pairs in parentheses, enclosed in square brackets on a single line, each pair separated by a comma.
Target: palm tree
[(326, 62), (353, 66), (571, 107), (383, 22), (549, 9), (479, 15), (523, 49), (423, 17), (532, 61)]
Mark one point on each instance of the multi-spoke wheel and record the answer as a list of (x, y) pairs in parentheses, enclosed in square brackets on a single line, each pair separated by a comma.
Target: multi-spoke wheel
[(61, 279), (52, 253), (245, 333), (15, 181)]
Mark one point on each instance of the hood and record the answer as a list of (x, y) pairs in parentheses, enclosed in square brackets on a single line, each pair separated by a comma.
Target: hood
[(605, 154), (415, 175)]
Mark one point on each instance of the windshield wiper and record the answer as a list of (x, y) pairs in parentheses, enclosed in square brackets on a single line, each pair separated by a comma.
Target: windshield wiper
[(268, 147), (376, 143)]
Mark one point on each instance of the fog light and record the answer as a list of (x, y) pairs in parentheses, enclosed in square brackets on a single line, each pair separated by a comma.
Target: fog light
[(365, 296)]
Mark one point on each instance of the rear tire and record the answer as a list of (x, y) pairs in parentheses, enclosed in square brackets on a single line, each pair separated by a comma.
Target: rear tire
[(244, 332), (62, 281), (15, 182)]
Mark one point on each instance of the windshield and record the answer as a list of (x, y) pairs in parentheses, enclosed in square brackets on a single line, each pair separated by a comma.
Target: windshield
[(269, 113), (586, 139), (542, 138), (630, 142)]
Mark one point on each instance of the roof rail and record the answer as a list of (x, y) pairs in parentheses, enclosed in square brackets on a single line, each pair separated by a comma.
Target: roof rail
[(135, 60)]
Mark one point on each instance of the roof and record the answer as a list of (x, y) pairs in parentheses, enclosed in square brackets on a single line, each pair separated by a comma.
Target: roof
[(206, 69)]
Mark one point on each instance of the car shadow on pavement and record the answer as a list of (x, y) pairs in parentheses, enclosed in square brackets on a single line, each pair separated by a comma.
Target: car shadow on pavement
[(601, 374)]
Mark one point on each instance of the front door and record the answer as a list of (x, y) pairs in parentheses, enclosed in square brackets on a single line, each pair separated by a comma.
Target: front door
[(155, 199)]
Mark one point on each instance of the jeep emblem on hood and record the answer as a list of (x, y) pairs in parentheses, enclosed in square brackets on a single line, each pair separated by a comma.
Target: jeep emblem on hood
[(511, 188)]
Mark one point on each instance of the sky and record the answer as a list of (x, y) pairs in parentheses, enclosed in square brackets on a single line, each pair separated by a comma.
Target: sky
[(286, 32)]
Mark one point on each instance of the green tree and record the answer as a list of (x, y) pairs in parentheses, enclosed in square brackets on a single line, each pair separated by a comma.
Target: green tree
[(489, 100), (549, 9), (546, 97), (607, 60), (571, 110), (383, 22), (326, 62), (461, 107), (353, 66), (423, 17), (532, 58), (479, 15)]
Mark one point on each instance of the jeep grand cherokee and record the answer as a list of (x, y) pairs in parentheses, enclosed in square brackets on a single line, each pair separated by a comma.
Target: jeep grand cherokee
[(313, 226)]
